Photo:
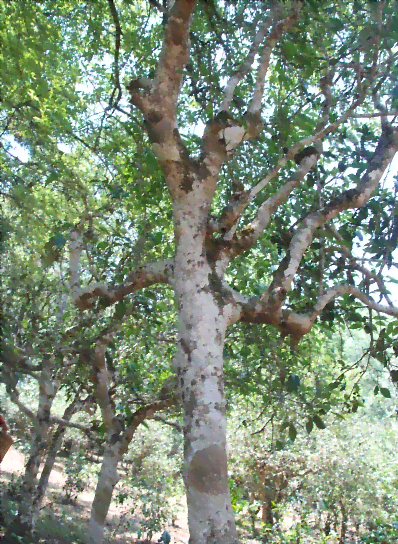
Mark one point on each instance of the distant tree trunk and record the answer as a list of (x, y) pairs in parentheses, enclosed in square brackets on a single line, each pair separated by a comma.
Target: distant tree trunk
[(54, 448), (23, 523), (344, 520), (117, 446), (267, 513), (328, 524)]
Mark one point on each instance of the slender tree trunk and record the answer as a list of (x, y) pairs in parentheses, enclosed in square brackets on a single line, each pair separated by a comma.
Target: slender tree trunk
[(328, 524), (118, 444), (50, 460), (23, 523), (267, 515), (205, 309), (107, 480), (344, 521)]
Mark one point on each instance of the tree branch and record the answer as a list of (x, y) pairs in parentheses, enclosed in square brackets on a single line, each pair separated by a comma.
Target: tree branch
[(116, 74), (257, 310), (352, 198), (167, 422), (248, 236), (246, 64), (144, 276), (70, 424), (340, 290), (148, 412), (366, 273), (255, 105)]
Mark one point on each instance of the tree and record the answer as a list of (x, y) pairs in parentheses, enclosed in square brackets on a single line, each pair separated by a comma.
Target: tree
[(286, 175)]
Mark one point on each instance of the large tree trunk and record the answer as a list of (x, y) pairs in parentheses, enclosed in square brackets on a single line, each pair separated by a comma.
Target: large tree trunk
[(205, 309)]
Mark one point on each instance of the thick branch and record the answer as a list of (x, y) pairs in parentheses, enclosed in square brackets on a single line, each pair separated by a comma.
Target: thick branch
[(353, 198), (148, 412), (340, 290), (173, 58), (246, 64), (276, 32), (251, 233), (258, 310), (161, 95), (144, 276), (101, 378), (20, 362)]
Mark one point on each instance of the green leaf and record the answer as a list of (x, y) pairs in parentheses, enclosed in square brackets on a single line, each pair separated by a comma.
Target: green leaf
[(157, 237), (334, 385), (279, 445), (59, 240), (166, 538), (319, 422), (385, 392), (292, 432), (394, 376), (309, 425), (289, 50), (102, 430), (376, 390), (120, 309), (292, 383)]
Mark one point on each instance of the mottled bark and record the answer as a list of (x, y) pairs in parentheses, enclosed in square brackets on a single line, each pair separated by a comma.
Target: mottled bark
[(116, 448), (24, 521), (205, 310), (107, 480), (344, 522), (53, 450), (206, 304)]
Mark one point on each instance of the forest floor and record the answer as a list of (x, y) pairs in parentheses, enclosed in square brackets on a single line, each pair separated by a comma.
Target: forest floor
[(64, 523), (61, 523)]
